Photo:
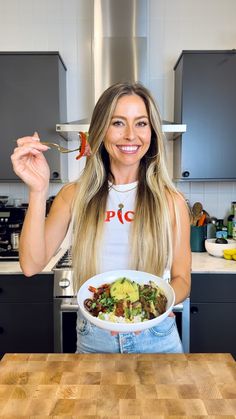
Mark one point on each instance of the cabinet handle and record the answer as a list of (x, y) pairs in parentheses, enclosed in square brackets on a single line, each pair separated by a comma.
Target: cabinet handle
[(1, 290), (194, 310), (1, 330), (186, 173)]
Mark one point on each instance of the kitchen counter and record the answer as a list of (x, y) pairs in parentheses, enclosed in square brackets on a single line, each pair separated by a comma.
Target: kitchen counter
[(205, 263), (201, 263), (14, 267), (119, 385)]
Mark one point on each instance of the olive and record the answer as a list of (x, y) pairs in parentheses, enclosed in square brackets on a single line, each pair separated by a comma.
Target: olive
[(221, 240)]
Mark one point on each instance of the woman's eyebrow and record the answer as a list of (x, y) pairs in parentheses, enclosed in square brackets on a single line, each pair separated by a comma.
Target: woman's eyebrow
[(124, 117)]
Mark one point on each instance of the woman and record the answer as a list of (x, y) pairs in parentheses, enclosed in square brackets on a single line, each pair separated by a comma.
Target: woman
[(126, 212)]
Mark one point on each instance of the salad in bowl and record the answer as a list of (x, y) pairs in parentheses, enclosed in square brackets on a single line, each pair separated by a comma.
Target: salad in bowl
[(125, 300)]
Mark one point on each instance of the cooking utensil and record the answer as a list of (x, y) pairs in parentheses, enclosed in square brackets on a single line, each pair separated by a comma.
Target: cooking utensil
[(202, 220), (196, 212), (60, 148)]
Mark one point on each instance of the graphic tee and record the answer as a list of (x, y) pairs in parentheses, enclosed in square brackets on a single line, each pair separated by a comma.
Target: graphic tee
[(118, 219), (115, 247)]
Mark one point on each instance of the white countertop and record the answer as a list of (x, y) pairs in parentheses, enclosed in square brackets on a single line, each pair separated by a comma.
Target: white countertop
[(201, 263), (205, 263), (14, 267)]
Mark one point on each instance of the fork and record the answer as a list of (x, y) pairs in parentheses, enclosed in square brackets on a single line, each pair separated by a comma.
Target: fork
[(60, 148)]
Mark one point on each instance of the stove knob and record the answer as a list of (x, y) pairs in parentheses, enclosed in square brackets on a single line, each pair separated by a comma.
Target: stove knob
[(64, 283)]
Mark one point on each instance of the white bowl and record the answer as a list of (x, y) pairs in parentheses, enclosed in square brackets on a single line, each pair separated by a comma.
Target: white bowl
[(140, 278), (216, 249)]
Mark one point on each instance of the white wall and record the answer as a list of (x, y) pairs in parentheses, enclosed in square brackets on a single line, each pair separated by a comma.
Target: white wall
[(174, 25)]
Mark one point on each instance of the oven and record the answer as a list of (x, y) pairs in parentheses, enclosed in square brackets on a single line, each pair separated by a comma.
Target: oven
[(65, 310)]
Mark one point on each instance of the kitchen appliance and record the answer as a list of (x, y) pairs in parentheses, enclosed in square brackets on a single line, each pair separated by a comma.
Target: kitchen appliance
[(66, 306), (11, 221), (119, 53)]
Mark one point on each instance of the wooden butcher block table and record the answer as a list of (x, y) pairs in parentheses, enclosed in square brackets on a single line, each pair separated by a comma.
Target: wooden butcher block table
[(124, 386)]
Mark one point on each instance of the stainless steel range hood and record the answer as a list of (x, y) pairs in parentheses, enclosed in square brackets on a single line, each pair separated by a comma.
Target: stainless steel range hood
[(120, 42), (120, 52)]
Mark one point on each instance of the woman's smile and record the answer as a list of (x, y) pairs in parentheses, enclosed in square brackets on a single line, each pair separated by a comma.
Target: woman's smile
[(128, 149), (129, 134)]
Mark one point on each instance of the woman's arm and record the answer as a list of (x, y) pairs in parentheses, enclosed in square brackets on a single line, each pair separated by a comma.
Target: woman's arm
[(41, 237), (181, 266)]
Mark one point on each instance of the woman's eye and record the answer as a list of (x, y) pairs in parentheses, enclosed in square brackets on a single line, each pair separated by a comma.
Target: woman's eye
[(117, 123), (142, 123)]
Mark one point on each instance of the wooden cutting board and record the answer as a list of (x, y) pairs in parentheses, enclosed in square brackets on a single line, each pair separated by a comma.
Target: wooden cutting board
[(127, 386)]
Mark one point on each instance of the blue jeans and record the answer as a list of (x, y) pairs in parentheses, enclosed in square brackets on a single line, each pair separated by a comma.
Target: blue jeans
[(163, 338)]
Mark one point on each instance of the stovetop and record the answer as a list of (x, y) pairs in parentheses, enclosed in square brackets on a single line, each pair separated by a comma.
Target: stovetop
[(65, 261)]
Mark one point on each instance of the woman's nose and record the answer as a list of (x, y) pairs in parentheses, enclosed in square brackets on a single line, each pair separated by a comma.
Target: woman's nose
[(130, 132)]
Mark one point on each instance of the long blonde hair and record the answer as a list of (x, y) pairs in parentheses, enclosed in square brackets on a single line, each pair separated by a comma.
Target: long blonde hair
[(151, 231)]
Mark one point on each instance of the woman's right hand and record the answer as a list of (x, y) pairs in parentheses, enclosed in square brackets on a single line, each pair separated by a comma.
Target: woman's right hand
[(30, 164)]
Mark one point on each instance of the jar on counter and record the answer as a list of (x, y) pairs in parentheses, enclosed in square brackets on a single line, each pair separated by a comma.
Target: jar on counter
[(221, 230)]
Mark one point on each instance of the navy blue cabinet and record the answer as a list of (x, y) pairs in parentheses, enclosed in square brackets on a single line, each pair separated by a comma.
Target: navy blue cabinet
[(212, 313), (32, 98), (26, 313), (205, 100)]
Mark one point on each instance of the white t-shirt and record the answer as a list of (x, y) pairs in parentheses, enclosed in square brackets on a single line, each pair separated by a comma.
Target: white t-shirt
[(115, 246), (114, 249)]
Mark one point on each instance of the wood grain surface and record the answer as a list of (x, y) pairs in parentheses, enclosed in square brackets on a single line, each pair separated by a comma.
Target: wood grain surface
[(134, 386)]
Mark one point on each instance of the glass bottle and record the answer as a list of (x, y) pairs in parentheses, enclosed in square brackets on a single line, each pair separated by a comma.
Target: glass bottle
[(234, 224), (230, 219), (220, 233)]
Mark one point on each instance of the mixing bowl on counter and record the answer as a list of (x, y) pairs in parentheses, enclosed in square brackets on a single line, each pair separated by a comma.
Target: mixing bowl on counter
[(217, 249)]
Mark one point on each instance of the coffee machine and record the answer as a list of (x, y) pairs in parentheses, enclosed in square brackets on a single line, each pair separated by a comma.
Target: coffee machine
[(11, 221)]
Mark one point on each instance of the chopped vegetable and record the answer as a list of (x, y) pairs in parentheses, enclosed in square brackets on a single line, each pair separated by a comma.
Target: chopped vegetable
[(126, 301), (83, 137)]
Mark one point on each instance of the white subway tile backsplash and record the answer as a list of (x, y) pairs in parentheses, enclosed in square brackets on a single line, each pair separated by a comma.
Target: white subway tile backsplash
[(211, 188), (226, 188), (197, 188), (4, 189), (16, 191), (183, 187)]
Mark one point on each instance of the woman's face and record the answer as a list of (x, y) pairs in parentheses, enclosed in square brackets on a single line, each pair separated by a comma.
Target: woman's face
[(129, 135)]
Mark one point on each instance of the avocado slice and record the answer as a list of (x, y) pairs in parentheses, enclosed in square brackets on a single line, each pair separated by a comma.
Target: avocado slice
[(124, 289)]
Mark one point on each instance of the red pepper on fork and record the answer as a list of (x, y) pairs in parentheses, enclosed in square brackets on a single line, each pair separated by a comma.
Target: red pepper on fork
[(83, 138)]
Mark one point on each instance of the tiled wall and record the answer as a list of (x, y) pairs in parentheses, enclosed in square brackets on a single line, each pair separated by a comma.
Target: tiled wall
[(174, 25)]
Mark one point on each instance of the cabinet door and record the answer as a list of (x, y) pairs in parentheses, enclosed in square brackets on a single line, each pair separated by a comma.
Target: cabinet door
[(206, 101), (26, 327), (212, 328), (16, 288), (33, 98)]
